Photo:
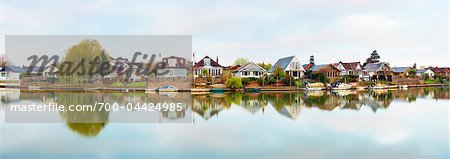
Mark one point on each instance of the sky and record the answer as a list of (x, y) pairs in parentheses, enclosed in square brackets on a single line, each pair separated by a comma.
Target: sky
[(403, 31)]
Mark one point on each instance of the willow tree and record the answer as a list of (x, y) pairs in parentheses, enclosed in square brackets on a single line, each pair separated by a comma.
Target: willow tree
[(83, 61)]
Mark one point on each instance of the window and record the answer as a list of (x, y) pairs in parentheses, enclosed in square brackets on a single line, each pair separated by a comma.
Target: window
[(172, 62), (207, 61)]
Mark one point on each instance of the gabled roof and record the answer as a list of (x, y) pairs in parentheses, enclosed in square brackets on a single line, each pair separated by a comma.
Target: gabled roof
[(441, 69), (424, 70), (201, 63), (15, 69), (283, 63), (400, 69), (374, 67), (318, 67), (232, 68), (249, 64), (34, 69), (307, 66), (350, 65)]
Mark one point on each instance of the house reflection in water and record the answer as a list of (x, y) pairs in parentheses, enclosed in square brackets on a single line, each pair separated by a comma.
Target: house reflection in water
[(209, 105)]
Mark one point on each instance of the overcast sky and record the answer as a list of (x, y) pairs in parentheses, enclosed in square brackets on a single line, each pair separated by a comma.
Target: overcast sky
[(403, 31)]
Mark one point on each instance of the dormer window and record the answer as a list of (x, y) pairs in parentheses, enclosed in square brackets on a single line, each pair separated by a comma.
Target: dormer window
[(207, 62)]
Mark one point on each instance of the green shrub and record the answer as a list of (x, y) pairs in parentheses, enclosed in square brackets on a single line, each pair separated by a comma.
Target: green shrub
[(234, 83), (246, 81)]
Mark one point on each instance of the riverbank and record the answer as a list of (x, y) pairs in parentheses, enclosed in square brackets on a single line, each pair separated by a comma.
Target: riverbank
[(148, 90)]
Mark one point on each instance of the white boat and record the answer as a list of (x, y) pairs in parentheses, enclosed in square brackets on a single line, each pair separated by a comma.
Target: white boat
[(315, 89), (342, 86), (314, 86), (360, 88), (379, 86), (149, 90), (167, 88)]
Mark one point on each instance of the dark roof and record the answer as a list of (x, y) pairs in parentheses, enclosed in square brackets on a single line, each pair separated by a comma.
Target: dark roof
[(374, 67), (201, 63), (15, 69), (400, 69), (350, 65), (318, 67), (232, 68), (283, 63), (424, 70), (307, 66), (441, 69)]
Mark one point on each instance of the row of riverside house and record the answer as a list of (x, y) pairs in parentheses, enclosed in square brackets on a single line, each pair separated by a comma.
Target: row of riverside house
[(372, 70), (209, 71)]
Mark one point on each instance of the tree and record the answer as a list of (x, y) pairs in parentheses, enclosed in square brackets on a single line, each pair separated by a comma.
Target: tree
[(241, 61), (78, 60), (265, 66), (374, 58), (234, 83), (311, 60), (320, 77), (278, 73), (226, 75)]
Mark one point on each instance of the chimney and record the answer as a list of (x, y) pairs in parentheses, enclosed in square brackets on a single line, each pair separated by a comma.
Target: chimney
[(217, 59)]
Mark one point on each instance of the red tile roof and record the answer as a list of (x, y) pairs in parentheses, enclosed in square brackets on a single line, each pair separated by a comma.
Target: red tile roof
[(350, 65), (201, 63)]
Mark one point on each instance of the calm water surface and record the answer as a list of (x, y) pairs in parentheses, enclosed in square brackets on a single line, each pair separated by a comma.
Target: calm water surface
[(409, 123)]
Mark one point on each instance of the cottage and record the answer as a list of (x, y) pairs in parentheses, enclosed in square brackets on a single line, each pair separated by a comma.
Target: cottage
[(351, 69), (290, 65), (442, 71), (402, 71), (208, 66), (250, 70), (425, 71), (378, 70), (11, 73), (174, 66), (329, 70)]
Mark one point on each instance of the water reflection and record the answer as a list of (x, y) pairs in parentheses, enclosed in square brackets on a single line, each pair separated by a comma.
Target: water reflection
[(210, 105)]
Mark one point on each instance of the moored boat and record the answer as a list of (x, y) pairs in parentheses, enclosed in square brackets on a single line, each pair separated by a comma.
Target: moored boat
[(167, 88), (342, 86), (252, 90), (217, 89), (379, 86)]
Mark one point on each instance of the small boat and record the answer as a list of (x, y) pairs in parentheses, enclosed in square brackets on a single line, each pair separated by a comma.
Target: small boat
[(342, 86), (360, 88), (167, 88), (404, 87), (379, 86), (217, 89), (150, 90), (315, 86), (252, 90), (315, 89)]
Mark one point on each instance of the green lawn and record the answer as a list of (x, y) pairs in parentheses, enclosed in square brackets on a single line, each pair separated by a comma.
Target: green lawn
[(134, 84), (430, 82)]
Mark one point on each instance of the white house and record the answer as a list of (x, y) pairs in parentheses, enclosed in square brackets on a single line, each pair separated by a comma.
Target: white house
[(174, 67), (11, 73), (209, 66), (290, 65), (352, 69), (424, 71), (250, 70)]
